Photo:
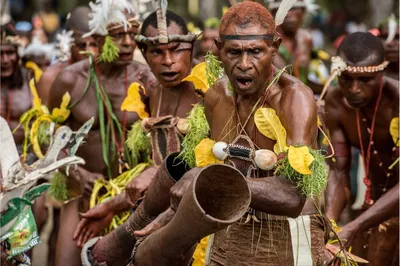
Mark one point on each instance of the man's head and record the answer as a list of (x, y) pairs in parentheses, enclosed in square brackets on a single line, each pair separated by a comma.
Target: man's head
[(293, 19), (170, 62), (113, 25), (361, 50), (78, 22), (210, 33), (8, 51), (391, 48), (247, 46)]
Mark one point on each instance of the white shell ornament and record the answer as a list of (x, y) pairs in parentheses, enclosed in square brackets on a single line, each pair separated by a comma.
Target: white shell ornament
[(219, 150), (265, 159), (183, 126)]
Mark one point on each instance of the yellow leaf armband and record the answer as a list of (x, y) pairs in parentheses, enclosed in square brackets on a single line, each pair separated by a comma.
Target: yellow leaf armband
[(394, 130), (204, 154), (305, 167), (133, 101), (198, 77)]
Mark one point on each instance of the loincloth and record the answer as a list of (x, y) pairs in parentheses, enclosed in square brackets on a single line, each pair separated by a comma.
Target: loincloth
[(379, 245), (272, 242)]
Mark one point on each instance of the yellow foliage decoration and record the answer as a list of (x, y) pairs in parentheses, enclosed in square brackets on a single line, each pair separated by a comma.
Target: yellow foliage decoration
[(394, 130), (37, 72), (203, 153), (198, 77), (59, 115), (269, 124), (133, 101), (300, 159)]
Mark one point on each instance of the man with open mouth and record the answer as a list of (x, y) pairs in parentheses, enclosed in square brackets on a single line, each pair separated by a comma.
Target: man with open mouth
[(165, 102), (98, 86), (363, 112)]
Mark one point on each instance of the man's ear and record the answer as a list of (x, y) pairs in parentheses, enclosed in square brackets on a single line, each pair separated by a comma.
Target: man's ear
[(219, 43), (277, 42)]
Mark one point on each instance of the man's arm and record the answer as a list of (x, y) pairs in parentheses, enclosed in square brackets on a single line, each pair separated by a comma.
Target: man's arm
[(298, 114), (64, 82), (338, 192)]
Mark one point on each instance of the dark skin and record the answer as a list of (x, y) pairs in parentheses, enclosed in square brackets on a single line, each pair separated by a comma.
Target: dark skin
[(246, 64), (73, 79), (170, 63), (391, 52), (81, 44), (207, 43), (14, 101), (359, 91)]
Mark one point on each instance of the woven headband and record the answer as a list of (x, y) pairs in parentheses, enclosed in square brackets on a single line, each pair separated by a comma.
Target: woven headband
[(267, 37)]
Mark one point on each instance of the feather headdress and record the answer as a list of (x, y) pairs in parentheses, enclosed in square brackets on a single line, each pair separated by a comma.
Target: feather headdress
[(392, 28), (285, 5), (64, 43), (37, 48), (106, 13)]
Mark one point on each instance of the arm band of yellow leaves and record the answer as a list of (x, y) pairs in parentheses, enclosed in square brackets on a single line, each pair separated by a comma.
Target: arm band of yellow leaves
[(305, 167), (133, 101)]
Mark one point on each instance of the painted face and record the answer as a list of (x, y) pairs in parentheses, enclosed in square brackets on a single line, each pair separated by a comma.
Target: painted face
[(9, 60), (170, 62), (360, 88), (392, 48), (207, 41), (293, 20), (125, 41), (247, 63), (87, 44)]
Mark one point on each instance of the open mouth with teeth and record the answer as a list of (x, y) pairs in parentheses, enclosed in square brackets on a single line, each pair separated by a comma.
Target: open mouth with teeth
[(169, 76), (244, 81)]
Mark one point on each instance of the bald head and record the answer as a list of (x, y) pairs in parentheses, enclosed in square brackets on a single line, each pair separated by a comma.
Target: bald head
[(79, 19), (247, 14)]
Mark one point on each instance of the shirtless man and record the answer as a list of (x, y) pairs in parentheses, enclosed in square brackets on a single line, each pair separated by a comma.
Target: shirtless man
[(114, 76), (296, 44), (247, 46), (15, 93), (206, 43), (359, 113), (78, 23), (170, 63), (391, 49)]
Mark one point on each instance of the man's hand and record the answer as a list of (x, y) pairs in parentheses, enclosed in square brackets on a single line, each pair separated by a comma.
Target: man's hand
[(93, 222), (138, 186), (348, 233), (178, 190), (87, 181), (162, 220)]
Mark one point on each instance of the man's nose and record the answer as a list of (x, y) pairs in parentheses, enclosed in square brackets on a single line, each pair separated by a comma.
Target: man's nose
[(168, 59), (355, 87), (244, 62), (127, 40)]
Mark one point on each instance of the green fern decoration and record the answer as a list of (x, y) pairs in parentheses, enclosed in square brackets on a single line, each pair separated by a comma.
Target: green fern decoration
[(199, 130), (214, 71), (58, 188), (138, 143), (311, 185), (109, 51)]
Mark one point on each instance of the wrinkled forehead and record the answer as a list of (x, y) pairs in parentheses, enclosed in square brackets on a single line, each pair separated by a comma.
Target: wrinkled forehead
[(173, 29)]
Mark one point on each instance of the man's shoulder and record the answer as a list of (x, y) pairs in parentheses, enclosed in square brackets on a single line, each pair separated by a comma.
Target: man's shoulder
[(52, 71), (219, 90), (71, 73), (293, 89)]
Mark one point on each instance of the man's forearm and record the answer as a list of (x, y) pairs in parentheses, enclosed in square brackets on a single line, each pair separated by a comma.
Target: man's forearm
[(273, 195), (384, 208), (336, 197), (119, 203)]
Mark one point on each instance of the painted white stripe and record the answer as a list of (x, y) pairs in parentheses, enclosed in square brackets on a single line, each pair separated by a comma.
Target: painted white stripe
[(301, 240)]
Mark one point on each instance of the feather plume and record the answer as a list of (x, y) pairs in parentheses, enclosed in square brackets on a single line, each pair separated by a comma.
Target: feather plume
[(392, 26), (311, 6), (283, 9), (37, 48), (64, 43), (106, 12)]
